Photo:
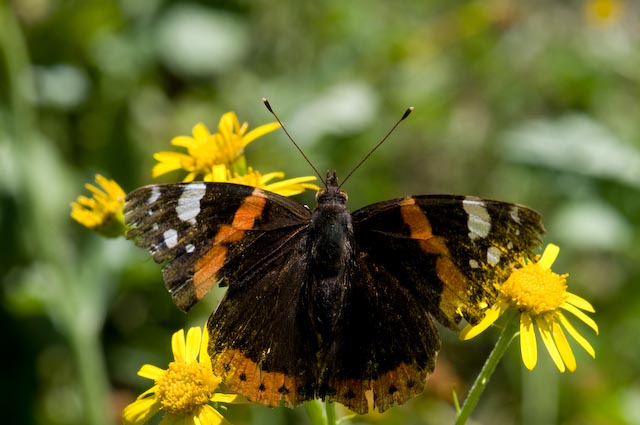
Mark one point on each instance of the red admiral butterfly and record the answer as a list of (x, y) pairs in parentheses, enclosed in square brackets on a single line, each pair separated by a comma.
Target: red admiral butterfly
[(325, 303)]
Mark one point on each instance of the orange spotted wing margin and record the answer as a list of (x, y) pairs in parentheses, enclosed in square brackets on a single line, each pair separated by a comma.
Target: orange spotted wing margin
[(208, 233)]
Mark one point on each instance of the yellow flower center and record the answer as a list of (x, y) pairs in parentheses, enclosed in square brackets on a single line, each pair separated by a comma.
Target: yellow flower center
[(185, 387), (535, 289)]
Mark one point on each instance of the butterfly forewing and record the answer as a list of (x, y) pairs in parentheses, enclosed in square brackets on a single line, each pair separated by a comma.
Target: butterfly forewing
[(209, 232), (448, 251)]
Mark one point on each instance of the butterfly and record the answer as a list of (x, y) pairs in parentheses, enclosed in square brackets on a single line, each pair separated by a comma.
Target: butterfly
[(326, 303)]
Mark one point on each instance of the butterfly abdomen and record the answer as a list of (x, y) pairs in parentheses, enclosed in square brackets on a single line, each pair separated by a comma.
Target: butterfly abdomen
[(330, 245)]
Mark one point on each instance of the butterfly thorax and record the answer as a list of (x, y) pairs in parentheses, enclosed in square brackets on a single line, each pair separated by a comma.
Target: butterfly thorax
[(330, 232)]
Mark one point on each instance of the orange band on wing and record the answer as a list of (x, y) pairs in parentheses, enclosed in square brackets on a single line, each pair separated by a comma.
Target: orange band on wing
[(210, 263), (244, 375), (412, 215)]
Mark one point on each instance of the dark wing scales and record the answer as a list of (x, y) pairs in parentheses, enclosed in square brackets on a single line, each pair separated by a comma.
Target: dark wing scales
[(254, 242), (448, 251), (208, 233), (384, 341), (260, 335)]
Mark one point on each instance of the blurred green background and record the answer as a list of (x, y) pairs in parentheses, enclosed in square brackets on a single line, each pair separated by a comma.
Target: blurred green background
[(533, 102)]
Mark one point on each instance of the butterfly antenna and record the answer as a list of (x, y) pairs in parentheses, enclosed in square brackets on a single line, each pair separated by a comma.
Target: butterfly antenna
[(266, 103), (405, 115)]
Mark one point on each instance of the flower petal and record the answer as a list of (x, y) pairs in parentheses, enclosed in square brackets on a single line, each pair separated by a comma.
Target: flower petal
[(210, 416), (563, 346), (150, 371), (140, 411), (229, 398), (549, 255), (258, 132), (190, 177), (194, 335), (580, 315), (290, 182), (201, 133), (528, 344), (178, 346), (547, 338), (576, 335), (204, 358), (471, 331), (270, 176), (579, 302)]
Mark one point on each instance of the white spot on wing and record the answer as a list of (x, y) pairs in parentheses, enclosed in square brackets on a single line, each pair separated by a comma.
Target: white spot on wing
[(493, 255), (189, 203), (155, 195), (155, 227), (170, 238), (473, 264), (189, 248), (479, 222)]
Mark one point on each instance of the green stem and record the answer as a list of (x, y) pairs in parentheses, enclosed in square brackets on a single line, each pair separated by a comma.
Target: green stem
[(330, 409), (318, 416), (508, 334), (93, 377), (315, 413)]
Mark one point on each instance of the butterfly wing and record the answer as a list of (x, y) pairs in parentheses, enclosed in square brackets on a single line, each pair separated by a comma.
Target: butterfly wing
[(208, 233), (422, 256), (385, 341), (450, 250), (252, 241)]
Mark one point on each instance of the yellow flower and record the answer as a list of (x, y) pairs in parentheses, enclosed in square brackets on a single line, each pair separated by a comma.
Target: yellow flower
[(103, 211), (541, 296), (183, 391), (208, 153), (233, 137), (287, 187), (602, 12)]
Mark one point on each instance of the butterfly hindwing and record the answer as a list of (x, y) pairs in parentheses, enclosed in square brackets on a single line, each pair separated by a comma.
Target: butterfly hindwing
[(384, 342)]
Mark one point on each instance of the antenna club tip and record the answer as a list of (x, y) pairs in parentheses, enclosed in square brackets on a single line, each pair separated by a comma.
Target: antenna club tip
[(267, 104), (407, 112)]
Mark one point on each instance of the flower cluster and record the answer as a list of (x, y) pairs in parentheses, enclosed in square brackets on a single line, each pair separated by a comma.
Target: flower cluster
[(540, 296), (217, 157), (103, 211)]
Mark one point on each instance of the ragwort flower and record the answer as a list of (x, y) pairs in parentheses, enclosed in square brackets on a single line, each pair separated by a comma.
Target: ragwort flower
[(541, 296), (208, 154), (185, 389), (103, 211)]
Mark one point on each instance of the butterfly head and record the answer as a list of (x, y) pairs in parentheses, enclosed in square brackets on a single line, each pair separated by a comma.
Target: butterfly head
[(332, 194)]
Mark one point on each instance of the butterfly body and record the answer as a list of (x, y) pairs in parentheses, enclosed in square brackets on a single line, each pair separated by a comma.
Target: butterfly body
[(327, 303)]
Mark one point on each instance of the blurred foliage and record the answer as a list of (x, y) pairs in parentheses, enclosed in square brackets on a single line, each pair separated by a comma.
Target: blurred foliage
[(533, 102)]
